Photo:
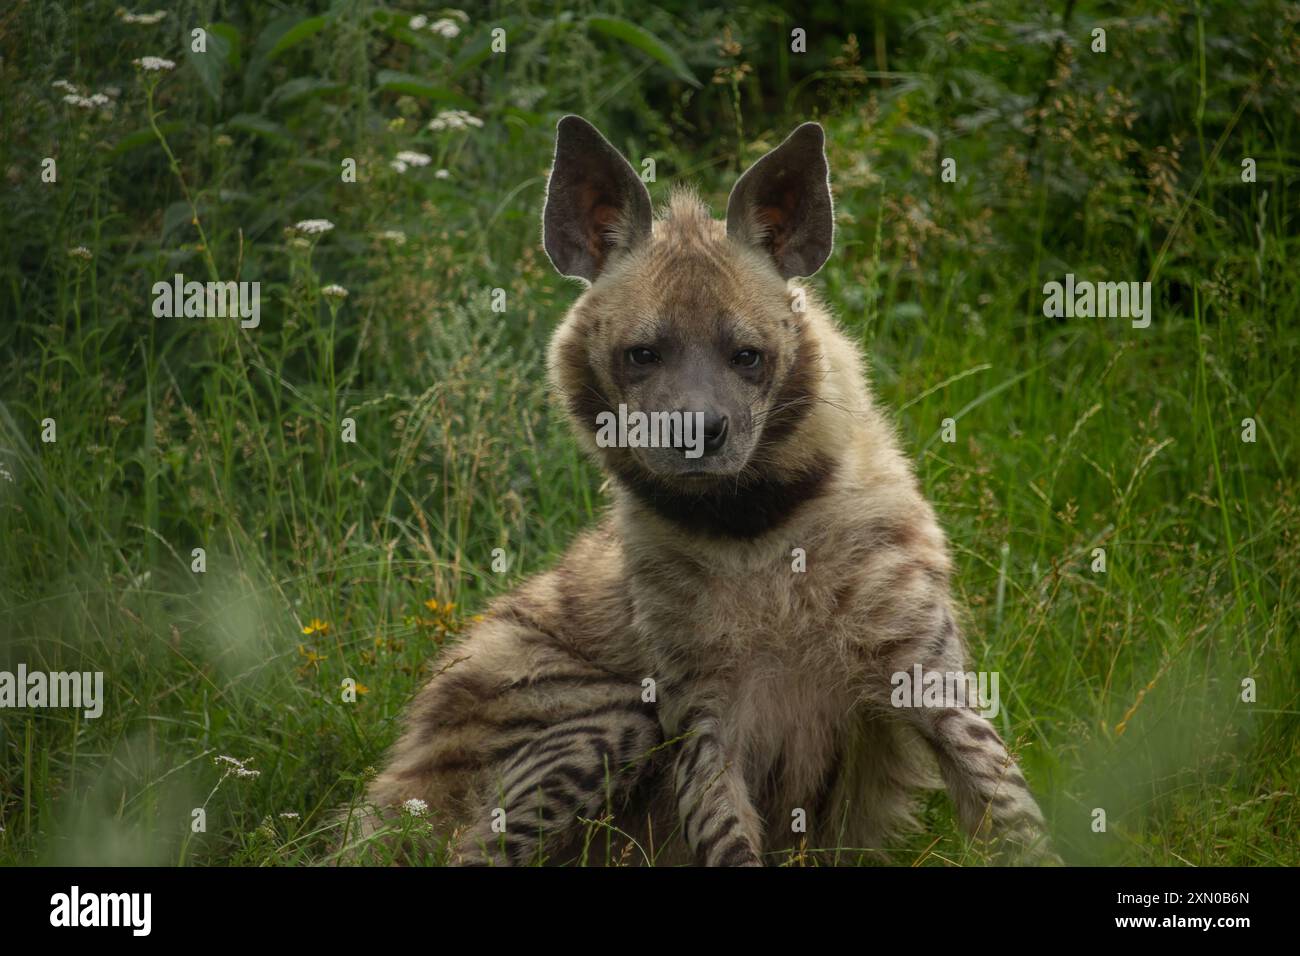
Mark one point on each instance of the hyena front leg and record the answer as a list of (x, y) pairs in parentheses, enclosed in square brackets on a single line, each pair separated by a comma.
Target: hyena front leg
[(991, 795), (514, 739), (718, 819), (581, 763)]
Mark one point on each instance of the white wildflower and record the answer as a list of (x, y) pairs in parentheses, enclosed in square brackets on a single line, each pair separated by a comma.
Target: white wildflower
[(7, 475), (94, 101), (148, 19), (80, 252), (398, 165), (411, 158), (395, 236), (289, 815), (236, 766), (415, 807), (418, 22), (314, 227), (444, 27), (154, 63), (454, 119), (442, 174), (334, 291), (64, 85)]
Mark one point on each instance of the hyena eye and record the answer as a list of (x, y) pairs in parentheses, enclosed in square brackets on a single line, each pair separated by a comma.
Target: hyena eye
[(747, 358), (640, 355)]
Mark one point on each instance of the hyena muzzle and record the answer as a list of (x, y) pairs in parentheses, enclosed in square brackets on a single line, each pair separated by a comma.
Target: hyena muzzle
[(707, 674)]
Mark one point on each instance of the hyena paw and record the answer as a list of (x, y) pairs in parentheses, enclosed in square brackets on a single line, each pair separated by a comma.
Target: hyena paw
[(737, 853)]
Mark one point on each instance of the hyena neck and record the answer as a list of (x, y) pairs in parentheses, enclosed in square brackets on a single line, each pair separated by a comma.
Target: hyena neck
[(762, 505)]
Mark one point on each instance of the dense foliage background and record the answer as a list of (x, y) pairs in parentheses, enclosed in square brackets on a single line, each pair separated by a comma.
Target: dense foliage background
[(326, 560)]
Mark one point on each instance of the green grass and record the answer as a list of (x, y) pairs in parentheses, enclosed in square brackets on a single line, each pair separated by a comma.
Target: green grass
[(1121, 690)]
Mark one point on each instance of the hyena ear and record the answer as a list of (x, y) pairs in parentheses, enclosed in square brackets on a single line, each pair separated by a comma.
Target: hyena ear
[(595, 202), (782, 204)]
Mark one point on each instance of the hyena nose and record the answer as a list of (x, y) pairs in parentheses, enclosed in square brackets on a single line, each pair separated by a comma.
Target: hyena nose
[(715, 432)]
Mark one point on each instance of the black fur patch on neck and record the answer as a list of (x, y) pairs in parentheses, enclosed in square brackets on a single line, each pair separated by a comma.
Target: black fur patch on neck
[(725, 510)]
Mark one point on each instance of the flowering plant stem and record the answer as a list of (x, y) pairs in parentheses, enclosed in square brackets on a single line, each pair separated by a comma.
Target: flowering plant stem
[(153, 114)]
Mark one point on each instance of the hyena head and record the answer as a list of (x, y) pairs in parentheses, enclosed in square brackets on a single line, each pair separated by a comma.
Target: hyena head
[(685, 313)]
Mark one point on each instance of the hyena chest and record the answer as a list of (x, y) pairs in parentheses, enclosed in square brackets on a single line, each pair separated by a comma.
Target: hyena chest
[(760, 663), (786, 729), (715, 618), (782, 728)]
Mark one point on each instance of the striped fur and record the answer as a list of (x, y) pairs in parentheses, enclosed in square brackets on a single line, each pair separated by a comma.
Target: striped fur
[(771, 685)]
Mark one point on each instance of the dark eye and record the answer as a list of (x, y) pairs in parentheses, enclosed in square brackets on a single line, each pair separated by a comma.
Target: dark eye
[(747, 358), (640, 355)]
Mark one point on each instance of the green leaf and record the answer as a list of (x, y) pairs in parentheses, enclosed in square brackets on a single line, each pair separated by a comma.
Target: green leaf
[(525, 118), (394, 82), (229, 33), (646, 42), (300, 88), (272, 33), (143, 137), (211, 64), (260, 126), (300, 31), (315, 164)]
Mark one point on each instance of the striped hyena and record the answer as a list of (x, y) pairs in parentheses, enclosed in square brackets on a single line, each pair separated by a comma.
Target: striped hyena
[(712, 664)]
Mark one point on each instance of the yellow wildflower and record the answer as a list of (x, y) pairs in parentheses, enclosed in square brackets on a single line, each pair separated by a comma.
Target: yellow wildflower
[(311, 658)]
